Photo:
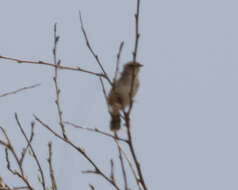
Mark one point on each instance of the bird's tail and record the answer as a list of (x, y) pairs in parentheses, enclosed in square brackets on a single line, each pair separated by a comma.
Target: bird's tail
[(115, 123)]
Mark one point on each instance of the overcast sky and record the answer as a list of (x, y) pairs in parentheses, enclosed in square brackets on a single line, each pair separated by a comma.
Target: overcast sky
[(185, 116)]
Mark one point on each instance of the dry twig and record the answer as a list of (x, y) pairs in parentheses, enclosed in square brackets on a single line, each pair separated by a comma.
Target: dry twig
[(33, 152), (55, 78), (121, 162), (103, 88), (130, 164), (52, 175), (112, 176), (19, 90), (92, 187), (137, 34), (118, 62), (9, 147), (96, 130), (52, 65), (127, 114), (91, 49), (24, 150)]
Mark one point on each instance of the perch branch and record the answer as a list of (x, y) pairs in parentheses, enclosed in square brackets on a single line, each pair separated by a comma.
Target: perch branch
[(52, 65)]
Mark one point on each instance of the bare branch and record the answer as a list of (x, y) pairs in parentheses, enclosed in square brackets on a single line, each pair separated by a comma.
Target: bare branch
[(18, 188), (91, 49), (132, 150), (118, 62), (32, 150), (19, 90), (11, 148), (112, 170), (96, 130), (137, 35), (3, 143), (122, 163), (52, 65), (127, 114), (55, 78), (89, 172), (8, 146), (24, 150), (103, 89), (14, 172), (92, 187), (83, 153), (52, 175), (130, 163)]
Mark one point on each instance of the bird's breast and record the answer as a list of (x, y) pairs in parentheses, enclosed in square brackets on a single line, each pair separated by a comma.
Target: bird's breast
[(124, 89)]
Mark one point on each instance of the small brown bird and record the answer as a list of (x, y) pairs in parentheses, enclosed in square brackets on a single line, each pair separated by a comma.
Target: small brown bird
[(119, 96)]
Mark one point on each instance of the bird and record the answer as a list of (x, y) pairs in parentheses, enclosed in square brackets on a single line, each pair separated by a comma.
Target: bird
[(122, 92)]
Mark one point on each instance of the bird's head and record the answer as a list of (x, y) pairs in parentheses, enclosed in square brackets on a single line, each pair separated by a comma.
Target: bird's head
[(132, 67)]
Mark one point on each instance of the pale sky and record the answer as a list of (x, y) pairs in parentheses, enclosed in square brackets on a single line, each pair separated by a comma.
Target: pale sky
[(185, 116)]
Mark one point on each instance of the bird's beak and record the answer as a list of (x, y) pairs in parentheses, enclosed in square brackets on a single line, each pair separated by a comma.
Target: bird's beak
[(138, 64)]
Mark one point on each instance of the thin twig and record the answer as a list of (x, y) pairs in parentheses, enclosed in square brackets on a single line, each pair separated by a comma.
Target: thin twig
[(122, 164), (13, 188), (8, 146), (19, 90), (55, 78), (6, 187), (24, 150), (118, 62), (11, 148), (52, 65), (52, 175), (129, 162), (92, 187), (14, 172), (112, 170), (131, 147), (17, 188), (3, 143), (96, 130), (89, 172), (103, 89), (33, 152), (79, 149), (91, 49), (127, 114), (137, 34)]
